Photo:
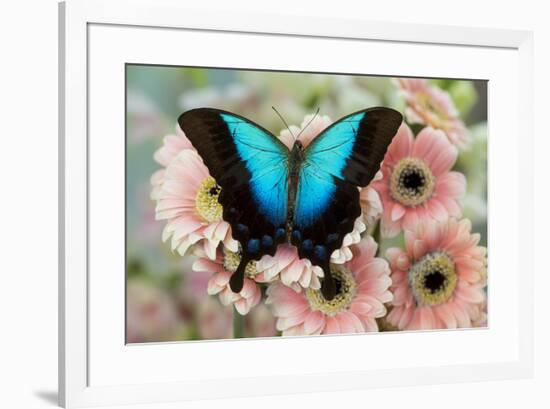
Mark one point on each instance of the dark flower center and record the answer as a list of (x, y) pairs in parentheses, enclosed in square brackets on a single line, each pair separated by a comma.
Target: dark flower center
[(434, 281), (433, 278), (414, 180), (411, 182), (214, 191), (338, 285), (345, 292)]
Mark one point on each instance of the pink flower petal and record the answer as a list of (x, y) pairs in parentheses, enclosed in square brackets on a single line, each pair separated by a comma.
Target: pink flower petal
[(400, 295), (397, 212), (411, 219), (444, 313), (424, 143), (203, 264), (241, 306), (314, 322), (406, 317), (444, 161), (332, 326), (470, 294), (347, 325), (453, 208), (378, 309), (437, 210), (401, 144), (389, 228), (357, 323), (286, 323), (452, 184), (462, 318), (427, 319), (370, 324), (419, 249), (415, 323), (361, 308)]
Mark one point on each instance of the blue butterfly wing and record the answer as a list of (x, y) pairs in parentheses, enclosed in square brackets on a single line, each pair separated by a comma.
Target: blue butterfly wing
[(251, 167), (266, 160), (342, 158), (325, 161)]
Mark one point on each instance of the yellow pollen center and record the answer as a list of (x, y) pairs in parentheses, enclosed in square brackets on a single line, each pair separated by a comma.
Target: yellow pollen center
[(346, 288), (231, 261), (433, 114), (412, 182), (433, 279), (206, 202)]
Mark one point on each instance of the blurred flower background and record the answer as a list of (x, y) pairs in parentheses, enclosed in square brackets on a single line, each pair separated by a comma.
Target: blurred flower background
[(168, 299)]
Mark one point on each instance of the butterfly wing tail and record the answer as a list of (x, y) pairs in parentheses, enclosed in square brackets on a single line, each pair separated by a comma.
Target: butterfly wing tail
[(328, 286), (320, 239), (236, 282), (253, 231)]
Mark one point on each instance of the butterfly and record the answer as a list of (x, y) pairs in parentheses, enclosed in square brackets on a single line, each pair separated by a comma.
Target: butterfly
[(305, 196)]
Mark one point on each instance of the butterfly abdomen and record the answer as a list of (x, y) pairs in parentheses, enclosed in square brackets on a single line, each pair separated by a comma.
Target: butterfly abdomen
[(295, 161)]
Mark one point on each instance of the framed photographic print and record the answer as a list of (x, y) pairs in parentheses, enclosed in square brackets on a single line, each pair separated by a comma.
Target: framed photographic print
[(306, 224)]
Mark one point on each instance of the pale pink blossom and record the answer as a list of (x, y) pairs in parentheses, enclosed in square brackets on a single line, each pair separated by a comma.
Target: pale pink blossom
[(260, 322), (417, 182), (439, 279), (187, 198), (214, 320), (222, 268), (363, 288), (151, 314), (430, 105)]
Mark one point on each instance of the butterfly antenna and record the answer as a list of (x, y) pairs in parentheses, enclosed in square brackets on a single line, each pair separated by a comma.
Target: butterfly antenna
[(309, 123), (284, 122)]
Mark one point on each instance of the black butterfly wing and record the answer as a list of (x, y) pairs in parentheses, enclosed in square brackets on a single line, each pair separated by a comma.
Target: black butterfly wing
[(342, 158), (251, 167)]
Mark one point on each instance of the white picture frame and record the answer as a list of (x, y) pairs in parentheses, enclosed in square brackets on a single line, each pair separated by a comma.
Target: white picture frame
[(91, 351)]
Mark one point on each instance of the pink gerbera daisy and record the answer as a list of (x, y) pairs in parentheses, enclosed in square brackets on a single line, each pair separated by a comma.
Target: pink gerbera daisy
[(187, 197), (362, 290), (439, 280), (417, 182), (222, 267), (430, 105)]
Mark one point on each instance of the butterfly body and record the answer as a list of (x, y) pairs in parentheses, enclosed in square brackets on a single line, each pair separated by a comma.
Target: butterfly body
[(305, 196), (296, 159)]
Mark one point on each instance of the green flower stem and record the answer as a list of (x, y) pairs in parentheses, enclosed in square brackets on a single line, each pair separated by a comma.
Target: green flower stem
[(238, 324), (377, 236)]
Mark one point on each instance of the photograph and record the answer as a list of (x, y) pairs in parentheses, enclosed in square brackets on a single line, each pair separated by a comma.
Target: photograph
[(277, 203)]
